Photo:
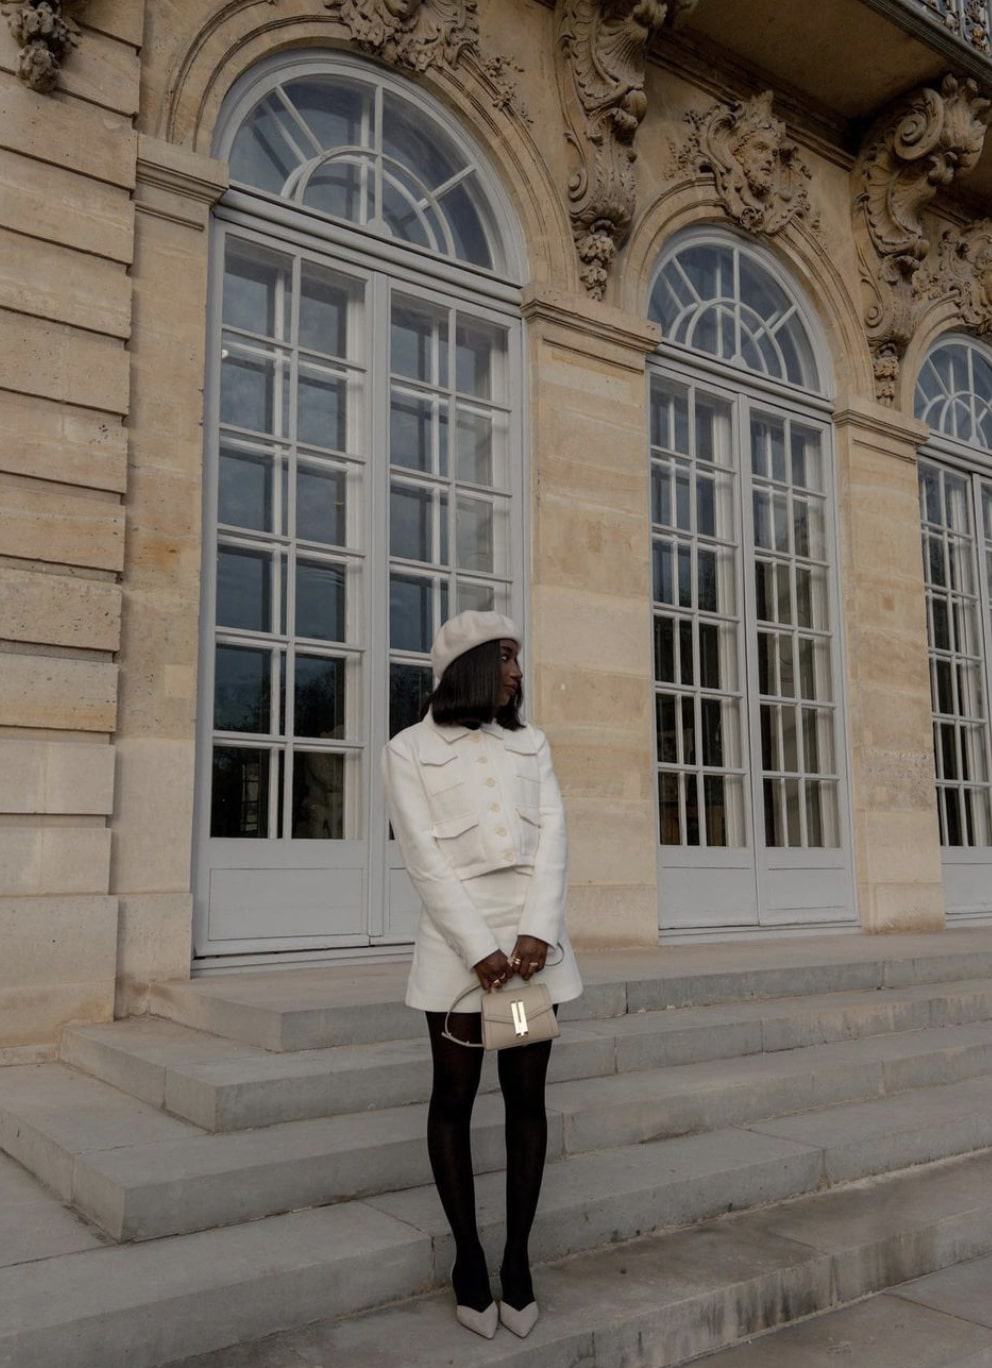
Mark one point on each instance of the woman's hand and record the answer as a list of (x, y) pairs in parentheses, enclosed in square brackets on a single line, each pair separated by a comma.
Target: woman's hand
[(493, 971), (529, 955)]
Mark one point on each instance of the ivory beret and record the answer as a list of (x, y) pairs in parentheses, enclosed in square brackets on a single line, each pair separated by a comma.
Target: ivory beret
[(465, 631)]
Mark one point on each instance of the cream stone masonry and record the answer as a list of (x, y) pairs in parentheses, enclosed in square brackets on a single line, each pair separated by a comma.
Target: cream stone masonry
[(153, 822), (591, 603), (59, 609), (56, 776), (66, 241), (896, 833)]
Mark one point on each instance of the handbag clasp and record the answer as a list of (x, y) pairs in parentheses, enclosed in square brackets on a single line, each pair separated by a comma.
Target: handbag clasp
[(519, 1017)]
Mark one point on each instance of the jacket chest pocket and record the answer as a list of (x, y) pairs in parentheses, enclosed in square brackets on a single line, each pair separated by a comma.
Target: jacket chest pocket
[(526, 778), (444, 782)]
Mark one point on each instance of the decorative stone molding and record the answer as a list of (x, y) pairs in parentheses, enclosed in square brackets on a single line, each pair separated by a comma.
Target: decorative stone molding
[(601, 52), (916, 148), (47, 33), (962, 273), (412, 33), (760, 176), (420, 34)]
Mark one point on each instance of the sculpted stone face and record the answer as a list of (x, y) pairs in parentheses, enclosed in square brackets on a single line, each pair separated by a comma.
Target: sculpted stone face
[(758, 156), (401, 9)]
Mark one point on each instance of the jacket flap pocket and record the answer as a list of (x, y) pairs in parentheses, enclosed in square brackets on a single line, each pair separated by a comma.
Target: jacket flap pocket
[(454, 826), (431, 750), (530, 814), (520, 742)]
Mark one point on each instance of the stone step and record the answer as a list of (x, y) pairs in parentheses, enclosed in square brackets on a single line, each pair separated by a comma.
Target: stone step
[(590, 1199), (140, 1174), (224, 1085), (319, 1008), (142, 1305), (663, 1300), (942, 1320)]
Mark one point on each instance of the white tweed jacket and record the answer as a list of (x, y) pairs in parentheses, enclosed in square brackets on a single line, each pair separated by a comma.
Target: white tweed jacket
[(465, 802)]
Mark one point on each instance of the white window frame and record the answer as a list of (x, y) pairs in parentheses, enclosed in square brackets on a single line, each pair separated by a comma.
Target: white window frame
[(974, 463), (749, 390), (286, 227)]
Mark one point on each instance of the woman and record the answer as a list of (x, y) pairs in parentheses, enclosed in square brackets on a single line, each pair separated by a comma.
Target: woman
[(476, 809)]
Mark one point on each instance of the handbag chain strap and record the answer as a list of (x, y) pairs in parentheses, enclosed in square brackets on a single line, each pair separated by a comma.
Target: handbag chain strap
[(477, 1044)]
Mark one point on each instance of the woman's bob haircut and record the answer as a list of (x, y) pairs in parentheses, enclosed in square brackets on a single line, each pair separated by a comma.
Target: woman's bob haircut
[(469, 691)]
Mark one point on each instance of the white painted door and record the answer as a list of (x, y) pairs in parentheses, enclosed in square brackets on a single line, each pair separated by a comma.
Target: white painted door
[(361, 464)]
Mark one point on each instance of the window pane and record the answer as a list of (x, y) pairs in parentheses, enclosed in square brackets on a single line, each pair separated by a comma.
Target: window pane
[(253, 390), (241, 689), (244, 490), (411, 625), (337, 188), (668, 809), (319, 697), (411, 425), (475, 526), (411, 522), (320, 600), (321, 505), (239, 802), (480, 598), (244, 589), (322, 409), (409, 689), (418, 342), (256, 289), (318, 796), (479, 350), (480, 441), (332, 108), (323, 311)]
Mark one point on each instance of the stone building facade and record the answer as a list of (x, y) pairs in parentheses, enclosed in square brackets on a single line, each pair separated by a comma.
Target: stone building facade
[(658, 324)]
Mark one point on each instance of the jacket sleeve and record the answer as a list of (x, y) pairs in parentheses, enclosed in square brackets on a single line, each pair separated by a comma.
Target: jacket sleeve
[(543, 913), (445, 900)]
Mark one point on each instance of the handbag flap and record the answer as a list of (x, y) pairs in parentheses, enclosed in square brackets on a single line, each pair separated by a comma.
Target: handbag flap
[(498, 1006)]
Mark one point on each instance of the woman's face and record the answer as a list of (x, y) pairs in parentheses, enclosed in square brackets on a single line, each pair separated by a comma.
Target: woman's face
[(509, 671)]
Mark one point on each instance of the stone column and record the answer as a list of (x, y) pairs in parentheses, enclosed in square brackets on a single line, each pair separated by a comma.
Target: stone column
[(591, 603), (156, 742), (896, 835)]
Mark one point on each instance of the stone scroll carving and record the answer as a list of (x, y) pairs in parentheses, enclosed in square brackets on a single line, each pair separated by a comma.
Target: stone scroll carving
[(916, 148), (962, 274), (601, 52), (419, 34), (47, 32), (760, 177)]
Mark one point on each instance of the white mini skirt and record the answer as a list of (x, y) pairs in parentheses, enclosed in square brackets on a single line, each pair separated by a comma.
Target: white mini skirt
[(438, 973)]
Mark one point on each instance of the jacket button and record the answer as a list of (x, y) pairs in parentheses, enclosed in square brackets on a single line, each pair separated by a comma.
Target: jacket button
[(490, 783), (501, 831)]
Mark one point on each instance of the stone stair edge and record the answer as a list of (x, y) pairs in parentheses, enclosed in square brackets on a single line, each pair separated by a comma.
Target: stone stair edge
[(132, 1190), (801, 1274)]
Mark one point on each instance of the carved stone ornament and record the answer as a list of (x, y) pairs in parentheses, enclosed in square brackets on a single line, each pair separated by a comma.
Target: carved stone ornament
[(601, 53), (759, 174), (47, 33), (413, 33), (420, 34), (962, 273), (918, 147)]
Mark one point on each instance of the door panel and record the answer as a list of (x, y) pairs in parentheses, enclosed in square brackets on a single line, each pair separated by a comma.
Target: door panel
[(751, 760)]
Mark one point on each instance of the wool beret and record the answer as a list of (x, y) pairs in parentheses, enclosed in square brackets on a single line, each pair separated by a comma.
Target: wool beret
[(465, 631)]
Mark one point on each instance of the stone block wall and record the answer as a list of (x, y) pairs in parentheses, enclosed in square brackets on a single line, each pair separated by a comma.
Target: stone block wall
[(67, 164)]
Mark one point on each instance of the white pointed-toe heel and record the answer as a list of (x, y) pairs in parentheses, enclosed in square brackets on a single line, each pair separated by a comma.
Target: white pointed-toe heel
[(520, 1322), (484, 1323)]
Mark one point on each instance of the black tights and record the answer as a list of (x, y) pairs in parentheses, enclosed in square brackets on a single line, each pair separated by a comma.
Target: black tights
[(522, 1073)]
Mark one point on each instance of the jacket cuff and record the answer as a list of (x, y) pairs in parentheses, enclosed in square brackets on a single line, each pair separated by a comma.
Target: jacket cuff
[(477, 946), (546, 928)]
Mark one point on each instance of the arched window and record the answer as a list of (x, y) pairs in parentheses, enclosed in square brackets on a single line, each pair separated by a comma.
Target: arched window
[(954, 396), (752, 794), (363, 467)]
